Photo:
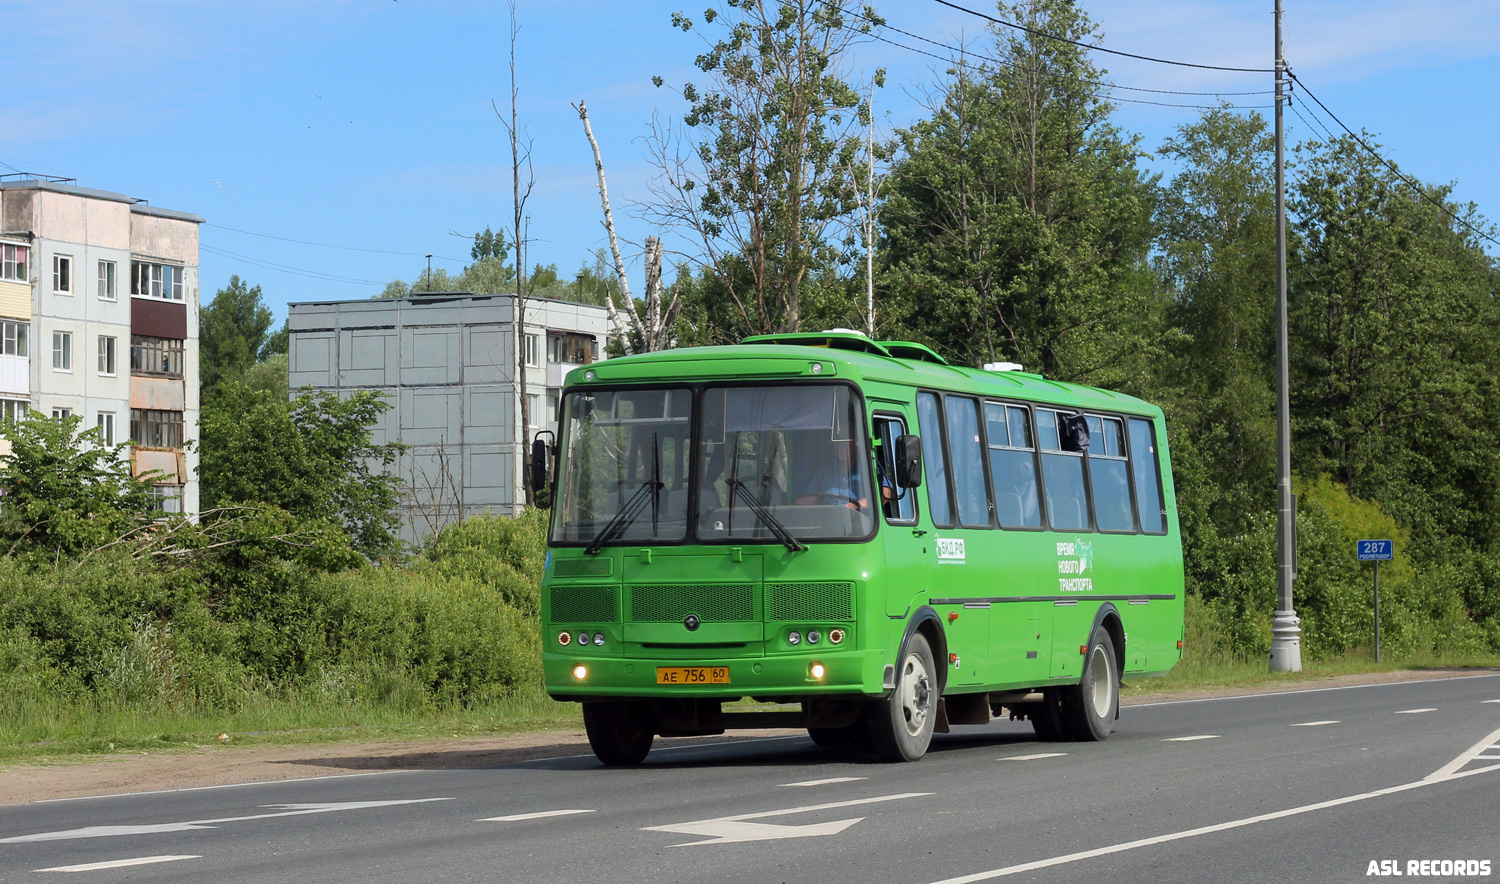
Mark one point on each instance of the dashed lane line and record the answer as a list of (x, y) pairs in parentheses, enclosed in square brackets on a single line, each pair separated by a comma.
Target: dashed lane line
[(118, 863), (1191, 738), (520, 817), (1313, 723), (828, 782), (1415, 711), (1033, 757)]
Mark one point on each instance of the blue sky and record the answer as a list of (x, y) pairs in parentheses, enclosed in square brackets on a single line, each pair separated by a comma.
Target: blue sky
[(331, 144)]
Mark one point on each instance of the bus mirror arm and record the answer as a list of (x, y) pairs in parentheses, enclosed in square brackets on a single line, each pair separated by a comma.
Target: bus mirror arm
[(908, 461), (537, 477)]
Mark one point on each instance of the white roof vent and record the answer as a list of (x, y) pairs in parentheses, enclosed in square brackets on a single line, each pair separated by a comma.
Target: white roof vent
[(1003, 366), (844, 331)]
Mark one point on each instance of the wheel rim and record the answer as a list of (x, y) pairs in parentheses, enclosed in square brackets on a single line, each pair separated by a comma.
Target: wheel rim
[(1102, 680), (916, 695)]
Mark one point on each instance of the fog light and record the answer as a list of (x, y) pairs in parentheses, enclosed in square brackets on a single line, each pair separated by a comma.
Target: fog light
[(583, 639), (599, 639), (563, 638), (817, 670), (814, 636), (794, 638), (836, 636), (580, 672)]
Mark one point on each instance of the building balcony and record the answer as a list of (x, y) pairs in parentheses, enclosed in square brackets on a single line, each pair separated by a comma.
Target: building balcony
[(15, 375)]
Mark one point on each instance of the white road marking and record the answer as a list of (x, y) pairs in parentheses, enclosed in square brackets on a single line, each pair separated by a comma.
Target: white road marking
[(1204, 830), (1468, 755), (731, 829), (1347, 687), (1415, 711), (1313, 723), (519, 817), (347, 776), (118, 864), (828, 782), (158, 828), (1191, 739), (1490, 701), (1486, 758), (1033, 757)]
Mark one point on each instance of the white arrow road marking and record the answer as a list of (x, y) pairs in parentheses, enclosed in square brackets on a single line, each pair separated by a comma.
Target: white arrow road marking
[(730, 829), (118, 864), (520, 817), (1191, 739), (1313, 723), (1415, 711), (158, 828), (1034, 757), (828, 782)]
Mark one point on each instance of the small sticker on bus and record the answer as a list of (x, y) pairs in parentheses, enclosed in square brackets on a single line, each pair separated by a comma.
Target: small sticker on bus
[(950, 550)]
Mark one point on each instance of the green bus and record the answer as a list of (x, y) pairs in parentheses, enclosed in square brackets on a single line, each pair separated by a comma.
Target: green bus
[(871, 543)]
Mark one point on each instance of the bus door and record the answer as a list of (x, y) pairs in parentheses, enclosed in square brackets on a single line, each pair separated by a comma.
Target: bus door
[(905, 566)]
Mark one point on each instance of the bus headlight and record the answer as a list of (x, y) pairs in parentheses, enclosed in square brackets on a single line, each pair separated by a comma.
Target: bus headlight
[(583, 639), (599, 639), (814, 636), (794, 638), (816, 671), (580, 672)]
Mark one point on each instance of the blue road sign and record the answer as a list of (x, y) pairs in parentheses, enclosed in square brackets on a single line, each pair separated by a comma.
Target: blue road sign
[(1374, 550)]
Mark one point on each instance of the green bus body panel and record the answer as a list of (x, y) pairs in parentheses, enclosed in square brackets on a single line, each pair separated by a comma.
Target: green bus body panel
[(1008, 622)]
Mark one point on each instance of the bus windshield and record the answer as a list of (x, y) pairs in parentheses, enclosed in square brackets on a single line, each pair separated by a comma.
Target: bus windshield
[(781, 463)]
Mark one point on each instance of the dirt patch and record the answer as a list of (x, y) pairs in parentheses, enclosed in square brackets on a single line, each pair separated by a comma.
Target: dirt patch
[(218, 765)]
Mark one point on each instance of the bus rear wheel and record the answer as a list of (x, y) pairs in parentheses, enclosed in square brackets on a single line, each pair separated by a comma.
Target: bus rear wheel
[(619, 733), (1089, 707), (900, 726)]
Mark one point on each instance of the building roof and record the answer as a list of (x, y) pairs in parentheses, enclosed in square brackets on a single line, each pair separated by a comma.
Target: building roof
[(138, 206)]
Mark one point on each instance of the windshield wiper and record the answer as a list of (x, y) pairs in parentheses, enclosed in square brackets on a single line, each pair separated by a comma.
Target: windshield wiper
[(650, 490), (737, 489)]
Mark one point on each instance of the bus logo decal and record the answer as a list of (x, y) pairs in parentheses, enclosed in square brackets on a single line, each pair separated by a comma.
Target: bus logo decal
[(950, 550), (1074, 559)]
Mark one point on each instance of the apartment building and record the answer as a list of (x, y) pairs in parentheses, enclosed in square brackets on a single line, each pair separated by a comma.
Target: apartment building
[(99, 319), (446, 363)]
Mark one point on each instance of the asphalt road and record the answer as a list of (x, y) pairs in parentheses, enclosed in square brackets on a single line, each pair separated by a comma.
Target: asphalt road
[(1301, 787)]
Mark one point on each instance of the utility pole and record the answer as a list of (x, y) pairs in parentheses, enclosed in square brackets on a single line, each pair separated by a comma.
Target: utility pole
[(1286, 634)]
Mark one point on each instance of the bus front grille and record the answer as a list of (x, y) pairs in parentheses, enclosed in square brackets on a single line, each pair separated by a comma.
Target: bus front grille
[(584, 604), (810, 601), (712, 602), (597, 566)]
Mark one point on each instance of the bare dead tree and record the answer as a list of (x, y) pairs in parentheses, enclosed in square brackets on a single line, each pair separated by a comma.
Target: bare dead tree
[(654, 329), (520, 192)]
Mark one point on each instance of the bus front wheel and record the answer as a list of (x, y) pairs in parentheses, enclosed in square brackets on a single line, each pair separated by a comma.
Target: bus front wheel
[(619, 733), (1089, 707), (900, 726)]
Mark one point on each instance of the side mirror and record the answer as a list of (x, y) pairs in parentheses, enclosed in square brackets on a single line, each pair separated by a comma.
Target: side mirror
[(537, 472), (909, 461), (1075, 433)]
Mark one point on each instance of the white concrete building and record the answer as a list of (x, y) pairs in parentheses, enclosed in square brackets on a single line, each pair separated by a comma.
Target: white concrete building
[(99, 319), (446, 362)]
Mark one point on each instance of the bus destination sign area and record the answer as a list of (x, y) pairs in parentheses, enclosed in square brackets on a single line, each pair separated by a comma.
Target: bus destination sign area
[(1374, 550)]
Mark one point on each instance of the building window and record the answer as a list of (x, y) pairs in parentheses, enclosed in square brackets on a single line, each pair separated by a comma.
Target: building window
[(167, 498), (61, 414), (62, 351), (12, 410), (162, 281), (533, 350), (62, 274), (106, 356), (156, 429), (106, 424), (12, 338), (13, 262), (150, 355), (534, 410), (106, 280), (573, 349)]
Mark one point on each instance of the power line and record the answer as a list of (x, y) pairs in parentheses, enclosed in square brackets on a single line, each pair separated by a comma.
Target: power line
[(295, 271), (329, 245), (1410, 182), (1036, 33), (963, 51)]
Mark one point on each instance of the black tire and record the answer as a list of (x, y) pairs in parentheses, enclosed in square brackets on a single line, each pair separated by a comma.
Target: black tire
[(619, 733), (1089, 707), (1046, 718), (900, 726)]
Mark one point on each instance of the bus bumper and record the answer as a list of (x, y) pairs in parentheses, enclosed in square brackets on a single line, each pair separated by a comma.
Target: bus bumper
[(845, 672)]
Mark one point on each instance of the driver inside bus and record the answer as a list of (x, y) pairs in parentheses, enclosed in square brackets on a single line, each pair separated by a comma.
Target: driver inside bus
[(836, 478)]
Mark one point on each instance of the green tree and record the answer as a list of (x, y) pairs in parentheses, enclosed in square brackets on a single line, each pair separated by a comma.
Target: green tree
[(66, 491), (770, 141), (233, 332), (1018, 222), (314, 457)]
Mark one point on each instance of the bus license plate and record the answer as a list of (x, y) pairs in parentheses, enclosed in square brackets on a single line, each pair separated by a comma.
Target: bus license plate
[(692, 675)]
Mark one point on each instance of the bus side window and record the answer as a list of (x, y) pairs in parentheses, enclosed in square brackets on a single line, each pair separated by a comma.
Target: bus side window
[(1013, 466), (897, 502), (1108, 477), (968, 462), (935, 456), (1062, 476), (1144, 464)]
